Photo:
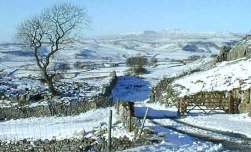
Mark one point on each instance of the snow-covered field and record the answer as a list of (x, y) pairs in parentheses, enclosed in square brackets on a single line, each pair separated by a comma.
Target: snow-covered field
[(225, 76)]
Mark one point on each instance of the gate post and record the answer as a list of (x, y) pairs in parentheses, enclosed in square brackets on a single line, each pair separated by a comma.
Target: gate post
[(231, 102), (131, 113), (109, 144)]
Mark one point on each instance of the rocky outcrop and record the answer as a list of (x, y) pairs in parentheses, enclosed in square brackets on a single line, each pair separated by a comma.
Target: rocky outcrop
[(239, 51)]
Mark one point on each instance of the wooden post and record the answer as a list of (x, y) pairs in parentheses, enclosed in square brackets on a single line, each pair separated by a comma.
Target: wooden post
[(237, 100), (130, 122), (231, 102), (249, 96), (178, 107), (143, 123), (109, 144), (131, 113)]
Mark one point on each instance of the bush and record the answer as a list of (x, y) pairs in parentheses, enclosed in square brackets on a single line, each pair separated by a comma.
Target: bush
[(137, 64), (139, 70), (164, 92), (138, 61)]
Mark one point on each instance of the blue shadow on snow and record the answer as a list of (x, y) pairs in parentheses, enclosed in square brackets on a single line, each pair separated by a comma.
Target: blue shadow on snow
[(130, 88)]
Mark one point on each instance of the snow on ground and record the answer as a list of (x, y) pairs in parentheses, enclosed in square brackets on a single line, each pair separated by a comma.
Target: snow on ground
[(130, 88), (172, 69), (187, 146), (155, 110), (237, 123), (225, 76), (60, 127), (177, 142)]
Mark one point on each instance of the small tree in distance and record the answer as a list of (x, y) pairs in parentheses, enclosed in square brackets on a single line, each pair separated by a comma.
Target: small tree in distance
[(52, 30), (137, 64)]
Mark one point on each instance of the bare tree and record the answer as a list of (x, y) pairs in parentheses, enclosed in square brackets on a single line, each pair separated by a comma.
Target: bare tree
[(53, 29)]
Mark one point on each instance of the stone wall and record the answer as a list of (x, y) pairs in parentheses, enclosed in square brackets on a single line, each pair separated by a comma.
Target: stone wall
[(125, 110), (107, 89), (245, 105), (97, 144), (164, 92), (58, 107), (67, 145)]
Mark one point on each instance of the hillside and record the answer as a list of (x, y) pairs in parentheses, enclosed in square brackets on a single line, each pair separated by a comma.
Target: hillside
[(224, 76)]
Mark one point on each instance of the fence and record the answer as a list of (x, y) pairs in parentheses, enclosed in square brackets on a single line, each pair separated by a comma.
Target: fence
[(228, 101)]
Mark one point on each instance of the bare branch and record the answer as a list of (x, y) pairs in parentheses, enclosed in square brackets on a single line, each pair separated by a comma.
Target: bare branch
[(52, 30)]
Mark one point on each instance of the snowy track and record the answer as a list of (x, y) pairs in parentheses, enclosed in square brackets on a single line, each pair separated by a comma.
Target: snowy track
[(227, 139)]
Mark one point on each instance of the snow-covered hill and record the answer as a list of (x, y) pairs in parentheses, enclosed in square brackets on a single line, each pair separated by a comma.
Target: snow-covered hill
[(163, 44), (100, 54), (224, 76)]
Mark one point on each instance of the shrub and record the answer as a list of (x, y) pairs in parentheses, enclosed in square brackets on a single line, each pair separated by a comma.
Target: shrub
[(137, 64), (138, 61), (164, 92), (139, 70)]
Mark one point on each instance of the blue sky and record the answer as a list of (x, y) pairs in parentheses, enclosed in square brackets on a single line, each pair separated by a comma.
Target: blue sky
[(125, 16)]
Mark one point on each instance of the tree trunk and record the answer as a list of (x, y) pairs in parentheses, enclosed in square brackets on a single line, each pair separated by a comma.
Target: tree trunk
[(49, 81), (51, 86)]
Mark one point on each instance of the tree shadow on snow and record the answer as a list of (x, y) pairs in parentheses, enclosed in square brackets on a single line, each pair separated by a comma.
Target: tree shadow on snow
[(130, 88)]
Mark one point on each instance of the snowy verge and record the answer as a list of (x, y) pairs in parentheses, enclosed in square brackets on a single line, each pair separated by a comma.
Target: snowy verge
[(236, 123), (61, 127)]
